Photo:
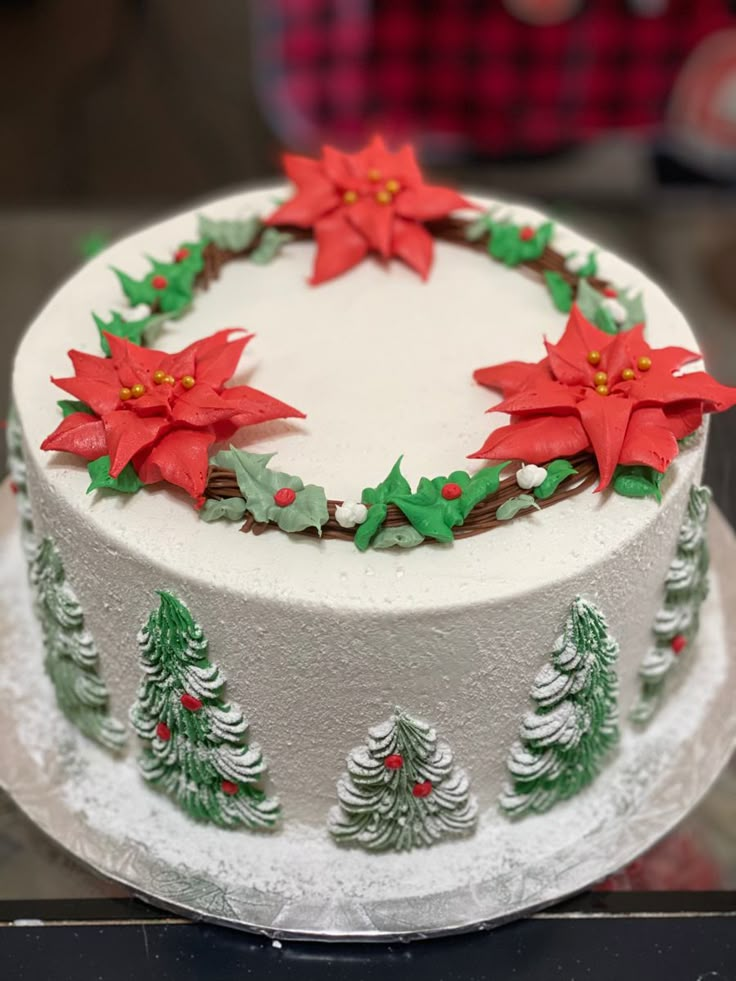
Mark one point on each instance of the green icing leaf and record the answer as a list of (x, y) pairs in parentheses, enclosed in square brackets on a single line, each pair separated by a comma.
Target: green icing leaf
[(365, 532), (481, 485), (69, 406), (378, 497), (588, 300), (403, 537), (177, 291), (226, 458), (638, 481), (605, 321), (634, 307), (509, 509), (507, 245), (478, 228), (560, 291), (429, 512), (269, 246), (258, 486), (137, 332), (235, 235), (231, 508), (557, 471), (590, 268), (127, 482)]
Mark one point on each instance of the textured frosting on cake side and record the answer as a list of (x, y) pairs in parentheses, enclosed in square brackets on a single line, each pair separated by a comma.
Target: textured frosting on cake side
[(318, 641)]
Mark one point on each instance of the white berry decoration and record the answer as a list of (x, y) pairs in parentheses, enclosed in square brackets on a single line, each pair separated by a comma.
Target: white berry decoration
[(575, 262), (530, 476), (132, 315), (350, 513), (616, 310)]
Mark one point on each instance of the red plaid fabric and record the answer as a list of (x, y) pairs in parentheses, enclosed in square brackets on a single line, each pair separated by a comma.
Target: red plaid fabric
[(467, 75)]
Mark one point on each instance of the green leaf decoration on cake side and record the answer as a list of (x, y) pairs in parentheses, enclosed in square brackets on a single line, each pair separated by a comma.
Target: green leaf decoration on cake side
[(141, 331), (169, 286), (512, 244), (557, 471), (678, 620), (270, 245), (612, 314), (280, 498), (195, 747), (509, 509), (16, 461), (127, 481), (564, 742), (71, 661), (378, 498), (229, 508), (402, 790), (638, 481), (235, 235), (562, 293)]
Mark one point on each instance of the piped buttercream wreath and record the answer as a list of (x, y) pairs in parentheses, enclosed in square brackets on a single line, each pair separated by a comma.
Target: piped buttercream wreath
[(601, 406)]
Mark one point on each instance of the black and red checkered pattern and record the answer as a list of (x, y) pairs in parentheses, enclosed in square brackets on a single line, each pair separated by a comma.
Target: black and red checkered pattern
[(469, 76)]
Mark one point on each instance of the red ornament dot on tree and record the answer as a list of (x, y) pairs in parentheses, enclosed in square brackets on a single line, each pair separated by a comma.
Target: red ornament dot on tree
[(284, 496), (611, 292), (229, 788), (181, 254), (13, 487), (159, 282), (679, 643), (527, 233), (190, 703), (394, 761), (451, 491), (163, 732), (422, 789)]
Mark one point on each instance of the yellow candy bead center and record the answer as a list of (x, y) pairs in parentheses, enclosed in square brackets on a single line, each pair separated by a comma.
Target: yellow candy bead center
[(594, 357), (350, 197), (644, 363), (125, 394), (137, 390), (187, 381), (158, 376), (374, 175), (602, 389), (392, 186), (384, 197), (628, 374), (600, 378)]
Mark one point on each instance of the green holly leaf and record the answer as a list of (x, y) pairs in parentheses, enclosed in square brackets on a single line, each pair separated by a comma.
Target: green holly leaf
[(507, 245), (557, 471), (378, 498), (509, 509), (481, 485), (475, 231), (560, 291), (136, 290), (226, 458), (236, 234), (605, 322), (127, 482), (364, 533), (634, 307), (271, 243), (230, 508), (404, 536), (259, 485), (638, 481), (69, 406), (429, 512), (194, 261), (590, 267)]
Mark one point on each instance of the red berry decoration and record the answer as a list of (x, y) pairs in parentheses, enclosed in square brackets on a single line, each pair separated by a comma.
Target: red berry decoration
[(181, 254), (159, 282), (163, 732), (284, 496), (13, 487), (394, 762), (229, 788), (679, 643), (527, 233), (610, 291), (190, 703), (451, 491), (422, 789)]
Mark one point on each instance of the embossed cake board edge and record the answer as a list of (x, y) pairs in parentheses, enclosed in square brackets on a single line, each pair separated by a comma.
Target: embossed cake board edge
[(462, 909)]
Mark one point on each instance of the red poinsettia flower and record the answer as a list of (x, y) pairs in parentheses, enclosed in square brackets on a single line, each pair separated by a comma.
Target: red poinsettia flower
[(373, 200), (612, 395), (162, 412)]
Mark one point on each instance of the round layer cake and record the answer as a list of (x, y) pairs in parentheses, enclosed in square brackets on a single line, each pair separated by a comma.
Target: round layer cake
[(318, 641)]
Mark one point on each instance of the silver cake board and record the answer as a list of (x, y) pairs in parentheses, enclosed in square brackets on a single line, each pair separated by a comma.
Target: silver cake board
[(296, 883)]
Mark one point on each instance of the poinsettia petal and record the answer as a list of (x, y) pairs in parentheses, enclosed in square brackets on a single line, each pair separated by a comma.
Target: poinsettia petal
[(427, 202), (623, 352), (537, 439), (95, 367), (540, 395), (569, 356), (200, 407), (251, 406), (218, 365), (181, 457), (308, 205), (413, 243), (301, 170), (141, 361), (374, 156), (649, 440), (79, 433), (509, 377), (683, 420), (337, 167), (374, 221), (339, 247), (405, 166), (127, 434), (605, 419), (99, 396), (697, 387)]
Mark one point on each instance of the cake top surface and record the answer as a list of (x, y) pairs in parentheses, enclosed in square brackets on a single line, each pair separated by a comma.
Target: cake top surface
[(381, 363)]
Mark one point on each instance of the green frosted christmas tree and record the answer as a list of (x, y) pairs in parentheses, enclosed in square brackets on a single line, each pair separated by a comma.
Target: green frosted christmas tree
[(402, 790), (71, 654), (677, 622), (19, 483), (195, 747), (563, 743)]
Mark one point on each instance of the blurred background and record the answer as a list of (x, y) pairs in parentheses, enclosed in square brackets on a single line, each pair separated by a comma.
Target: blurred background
[(616, 115)]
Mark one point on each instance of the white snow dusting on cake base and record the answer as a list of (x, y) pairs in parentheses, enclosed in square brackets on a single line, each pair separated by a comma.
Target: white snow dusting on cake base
[(296, 882)]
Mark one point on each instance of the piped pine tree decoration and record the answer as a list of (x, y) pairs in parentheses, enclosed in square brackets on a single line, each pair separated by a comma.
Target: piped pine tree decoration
[(71, 654), (19, 483), (677, 623), (402, 790), (563, 743), (195, 747)]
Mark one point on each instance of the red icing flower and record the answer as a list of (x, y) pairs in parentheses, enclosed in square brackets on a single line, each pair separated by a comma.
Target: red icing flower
[(633, 412), (373, 200), (162, 412)]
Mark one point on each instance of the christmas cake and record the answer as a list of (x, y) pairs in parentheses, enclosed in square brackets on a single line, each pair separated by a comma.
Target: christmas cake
[(287, 564)]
